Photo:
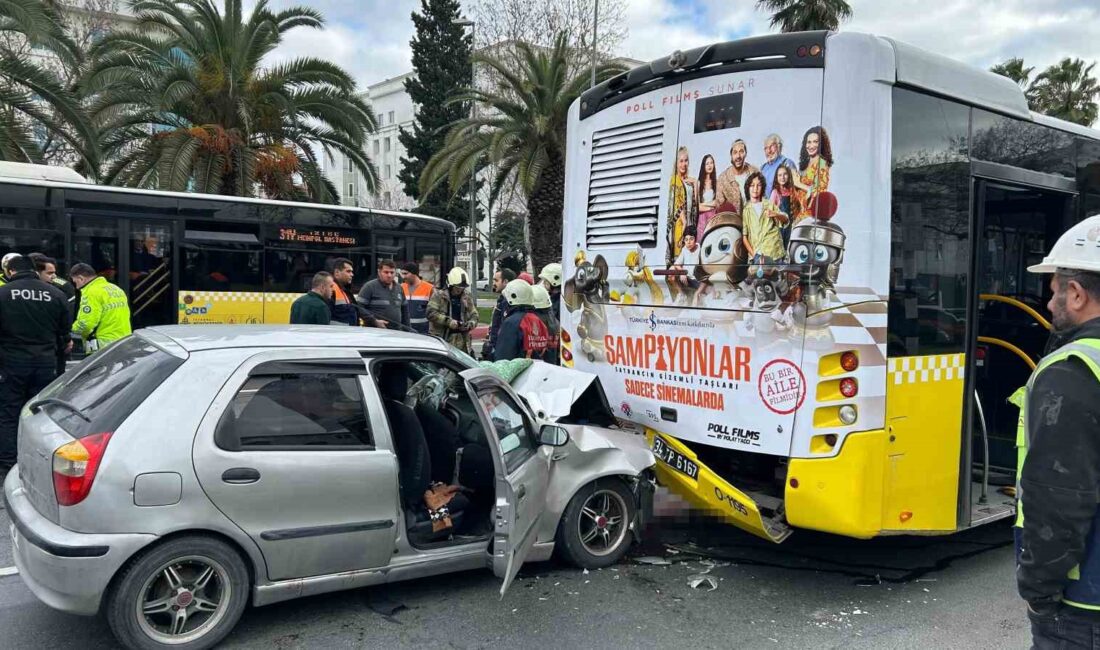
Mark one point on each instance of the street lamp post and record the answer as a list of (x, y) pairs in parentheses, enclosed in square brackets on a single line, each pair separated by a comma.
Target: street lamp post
[(473, 172), (595, 25)]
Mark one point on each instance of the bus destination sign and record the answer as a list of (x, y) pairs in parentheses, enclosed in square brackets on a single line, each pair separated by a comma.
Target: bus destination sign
[(329, 237)]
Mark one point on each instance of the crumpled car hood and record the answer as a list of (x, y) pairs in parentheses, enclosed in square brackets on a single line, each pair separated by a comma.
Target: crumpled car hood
[(551, 391), (588, 439)]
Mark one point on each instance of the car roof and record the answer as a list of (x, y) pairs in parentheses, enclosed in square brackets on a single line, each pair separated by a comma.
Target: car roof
[(193, 338)]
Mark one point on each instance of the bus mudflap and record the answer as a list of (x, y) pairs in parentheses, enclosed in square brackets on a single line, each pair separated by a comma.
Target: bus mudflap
[(680, 470)]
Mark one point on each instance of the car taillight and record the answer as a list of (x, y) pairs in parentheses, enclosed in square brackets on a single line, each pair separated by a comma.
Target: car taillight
[(849, 361), (75, 465), (848, 387)]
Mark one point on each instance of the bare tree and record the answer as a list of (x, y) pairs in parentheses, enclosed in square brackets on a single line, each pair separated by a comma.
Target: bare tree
[(538, 22)]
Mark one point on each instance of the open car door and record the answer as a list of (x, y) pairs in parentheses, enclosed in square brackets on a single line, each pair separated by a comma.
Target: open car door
[(522, 471)]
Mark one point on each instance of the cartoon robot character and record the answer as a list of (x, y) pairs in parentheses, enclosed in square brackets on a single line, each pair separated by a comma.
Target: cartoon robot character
[(721, 260), (817, 250), (588, 291)]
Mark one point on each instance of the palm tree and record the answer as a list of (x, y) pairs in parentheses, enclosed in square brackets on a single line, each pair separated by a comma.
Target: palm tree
[(33, 100), (1067, 90), (806, 15), (1013, 69), (184, 102), (521, 131)]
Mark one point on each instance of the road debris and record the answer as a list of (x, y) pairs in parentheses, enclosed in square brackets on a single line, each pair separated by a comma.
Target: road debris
[(702, 580)]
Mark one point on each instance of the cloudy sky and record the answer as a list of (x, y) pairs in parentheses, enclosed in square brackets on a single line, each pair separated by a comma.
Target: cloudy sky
[(371, 37)]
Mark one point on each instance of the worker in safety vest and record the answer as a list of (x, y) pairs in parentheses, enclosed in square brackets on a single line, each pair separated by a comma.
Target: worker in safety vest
[(104, 312), (1058, 472), (417, 294)]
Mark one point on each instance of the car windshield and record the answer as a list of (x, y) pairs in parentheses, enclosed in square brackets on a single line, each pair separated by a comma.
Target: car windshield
[(466, 359)]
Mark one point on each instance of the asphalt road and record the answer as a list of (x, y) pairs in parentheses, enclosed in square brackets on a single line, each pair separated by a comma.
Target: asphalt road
[(813, 591)]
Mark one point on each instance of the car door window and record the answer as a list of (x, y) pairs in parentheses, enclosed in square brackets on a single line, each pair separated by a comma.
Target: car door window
[(509, 426), (298, 411)]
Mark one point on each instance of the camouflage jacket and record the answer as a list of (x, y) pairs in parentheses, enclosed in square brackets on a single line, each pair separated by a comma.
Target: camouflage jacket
[(442, 325)]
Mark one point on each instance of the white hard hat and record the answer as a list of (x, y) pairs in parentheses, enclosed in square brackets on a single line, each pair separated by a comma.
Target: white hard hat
[(457, 277), (7, 258), (1078, 249), (540, 297), (552, 274), (517, 293)]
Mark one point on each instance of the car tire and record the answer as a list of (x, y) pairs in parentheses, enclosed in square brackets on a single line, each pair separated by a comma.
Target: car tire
[(143, 605), (581, 534)]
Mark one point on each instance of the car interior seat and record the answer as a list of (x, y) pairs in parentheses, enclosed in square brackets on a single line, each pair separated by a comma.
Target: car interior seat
[(413, 457)]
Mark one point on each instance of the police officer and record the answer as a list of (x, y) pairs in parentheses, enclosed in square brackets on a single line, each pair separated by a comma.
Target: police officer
[(47, 272), (34, 332), (104, 313), (1058, 480)]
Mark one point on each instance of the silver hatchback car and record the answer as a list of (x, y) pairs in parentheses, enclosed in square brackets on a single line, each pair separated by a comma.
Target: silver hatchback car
[(185, 472)]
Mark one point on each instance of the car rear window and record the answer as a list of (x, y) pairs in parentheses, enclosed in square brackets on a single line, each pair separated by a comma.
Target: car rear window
[(109, 386)]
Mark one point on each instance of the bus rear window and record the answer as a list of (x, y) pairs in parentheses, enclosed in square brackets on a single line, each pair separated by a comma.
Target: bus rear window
[(110, 386)]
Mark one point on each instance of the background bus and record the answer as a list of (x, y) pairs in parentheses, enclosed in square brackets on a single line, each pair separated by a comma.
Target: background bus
[(195, 258), (837, 383)]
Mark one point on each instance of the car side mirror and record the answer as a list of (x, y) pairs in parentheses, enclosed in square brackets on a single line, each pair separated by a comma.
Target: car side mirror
[(553, 435)]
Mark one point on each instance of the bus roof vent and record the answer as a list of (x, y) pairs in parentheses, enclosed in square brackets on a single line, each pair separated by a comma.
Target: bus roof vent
[(625, 185)]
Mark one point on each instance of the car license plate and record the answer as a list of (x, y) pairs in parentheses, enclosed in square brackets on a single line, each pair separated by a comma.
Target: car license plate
[(674, 459)]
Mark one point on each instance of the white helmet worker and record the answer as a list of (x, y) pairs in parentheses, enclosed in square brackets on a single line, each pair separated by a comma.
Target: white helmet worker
[(7, 258), (457, 277), (518, 293), (540, 297), (552, 274), (1078, 249)]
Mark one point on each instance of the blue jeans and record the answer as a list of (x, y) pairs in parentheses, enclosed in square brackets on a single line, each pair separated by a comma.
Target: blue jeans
[(1062, 631)]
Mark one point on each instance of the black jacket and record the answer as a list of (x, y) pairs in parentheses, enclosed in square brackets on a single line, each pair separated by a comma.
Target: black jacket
[(1060, 483), (34, 321)]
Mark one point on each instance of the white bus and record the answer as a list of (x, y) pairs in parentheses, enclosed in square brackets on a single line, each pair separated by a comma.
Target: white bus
[(798, 261)]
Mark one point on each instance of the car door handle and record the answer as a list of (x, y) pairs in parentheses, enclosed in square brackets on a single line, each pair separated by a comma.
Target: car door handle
[(240, 475)]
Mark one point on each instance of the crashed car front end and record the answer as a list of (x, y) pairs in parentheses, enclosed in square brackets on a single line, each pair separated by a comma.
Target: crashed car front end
[(600, 446)]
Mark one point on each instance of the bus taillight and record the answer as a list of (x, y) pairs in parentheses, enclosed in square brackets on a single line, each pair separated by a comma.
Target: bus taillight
[(849, 361), (849, 387)]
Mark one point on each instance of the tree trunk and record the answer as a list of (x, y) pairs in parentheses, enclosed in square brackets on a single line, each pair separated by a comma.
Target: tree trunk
[(545, 214)]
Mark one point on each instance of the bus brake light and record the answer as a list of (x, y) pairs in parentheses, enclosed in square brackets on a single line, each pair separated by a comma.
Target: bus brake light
[(848, 387), (849, 361)]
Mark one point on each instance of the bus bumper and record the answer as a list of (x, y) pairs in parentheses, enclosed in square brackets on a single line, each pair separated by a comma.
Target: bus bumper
[(708, 491), (843, 495)]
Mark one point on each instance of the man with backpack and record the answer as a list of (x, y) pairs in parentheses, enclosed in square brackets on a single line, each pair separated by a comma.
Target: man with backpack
[(523, 335)]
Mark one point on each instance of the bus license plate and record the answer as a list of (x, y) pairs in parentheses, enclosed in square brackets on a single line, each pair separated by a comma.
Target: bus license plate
[(674, 459)]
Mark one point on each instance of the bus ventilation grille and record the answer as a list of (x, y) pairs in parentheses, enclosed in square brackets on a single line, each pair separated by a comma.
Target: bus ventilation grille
[(625, 186)]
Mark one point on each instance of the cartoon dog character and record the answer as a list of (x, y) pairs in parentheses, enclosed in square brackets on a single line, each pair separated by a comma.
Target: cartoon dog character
[(722, 259), (769, 282), (588, 291)]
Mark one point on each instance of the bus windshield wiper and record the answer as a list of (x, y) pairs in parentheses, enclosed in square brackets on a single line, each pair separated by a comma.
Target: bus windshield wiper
[(37, 405)]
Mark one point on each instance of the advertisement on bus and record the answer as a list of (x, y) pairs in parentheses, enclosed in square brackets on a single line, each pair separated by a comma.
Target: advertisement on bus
[(707, 283)]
